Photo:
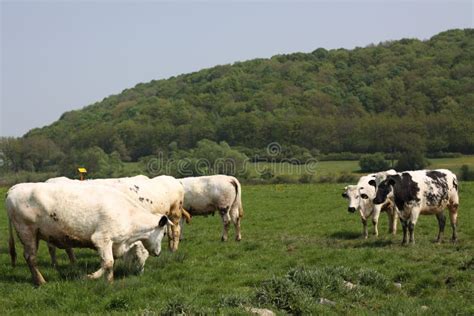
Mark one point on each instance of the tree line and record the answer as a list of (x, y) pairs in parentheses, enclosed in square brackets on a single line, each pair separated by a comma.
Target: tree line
[(405, 97)]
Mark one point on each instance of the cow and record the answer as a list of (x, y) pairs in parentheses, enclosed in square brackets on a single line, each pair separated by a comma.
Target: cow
[(204, 195), (84, 216), (425, 192), (361, 197), (69, 251), (159, 195)]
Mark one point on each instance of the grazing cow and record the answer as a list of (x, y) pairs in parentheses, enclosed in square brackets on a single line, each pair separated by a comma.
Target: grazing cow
[(85, 216), (361, 197), (205, 195), (425, 192), (69, 251), (159, 195)]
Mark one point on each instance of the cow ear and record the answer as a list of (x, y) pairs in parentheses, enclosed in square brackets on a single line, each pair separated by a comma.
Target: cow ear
[(391, 181), (372, 182), (163, 221), (344, 194)]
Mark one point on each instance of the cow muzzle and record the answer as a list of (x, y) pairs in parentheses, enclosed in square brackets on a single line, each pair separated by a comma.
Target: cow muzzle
[(351, 209)]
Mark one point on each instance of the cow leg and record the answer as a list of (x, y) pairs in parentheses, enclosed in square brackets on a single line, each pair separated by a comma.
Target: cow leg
[(411, 228), (453, 216), (52, 254), (405, 231), (375, 220), (174, 237), (441, 223), (170, 237), (393, 222), (30, 244), (226, 223), (175, 214), (236, 220), (104, 248), (365, 231), (181, 226), (71, 255)]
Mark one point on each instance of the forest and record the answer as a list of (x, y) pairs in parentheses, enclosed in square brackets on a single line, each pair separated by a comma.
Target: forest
[(403, 98)]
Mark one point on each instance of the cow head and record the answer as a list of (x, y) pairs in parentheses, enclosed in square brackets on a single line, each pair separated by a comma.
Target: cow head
[(384, 190), (153, 242), (352, 195)]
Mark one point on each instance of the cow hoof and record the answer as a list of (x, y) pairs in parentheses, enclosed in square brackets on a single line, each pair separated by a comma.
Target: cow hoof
[(238, 238), (223, 239), (39, 283)]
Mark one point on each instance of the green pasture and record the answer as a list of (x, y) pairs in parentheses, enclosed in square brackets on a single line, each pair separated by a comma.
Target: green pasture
[(299, 245), (324, 168)]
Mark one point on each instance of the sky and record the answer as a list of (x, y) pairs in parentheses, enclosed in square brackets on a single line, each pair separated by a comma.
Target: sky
[(60, 56)]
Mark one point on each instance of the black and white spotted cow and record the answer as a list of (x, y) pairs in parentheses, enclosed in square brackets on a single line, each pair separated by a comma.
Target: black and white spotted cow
[(426, 192)]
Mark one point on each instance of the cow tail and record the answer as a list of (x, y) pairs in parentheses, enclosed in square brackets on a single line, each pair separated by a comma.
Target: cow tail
[(238, 197), (11, 243)]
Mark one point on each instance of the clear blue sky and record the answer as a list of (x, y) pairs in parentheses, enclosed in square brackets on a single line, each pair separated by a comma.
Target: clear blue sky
[(57, 56)]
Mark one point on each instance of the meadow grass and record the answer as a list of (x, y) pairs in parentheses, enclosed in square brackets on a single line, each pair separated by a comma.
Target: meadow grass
[(299, 244), (351, 166)]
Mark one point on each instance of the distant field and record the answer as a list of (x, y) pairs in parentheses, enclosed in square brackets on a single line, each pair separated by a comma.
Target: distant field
[(285, 227), (323, 168)]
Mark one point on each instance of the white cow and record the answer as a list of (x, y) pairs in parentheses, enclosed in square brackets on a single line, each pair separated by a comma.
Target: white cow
[(361, 197), (159, 195), (204, 195), (85, 216), (70, 253)]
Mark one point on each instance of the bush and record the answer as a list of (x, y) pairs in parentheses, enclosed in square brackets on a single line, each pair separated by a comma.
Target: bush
[(284, 178), (267, 174), (339, 156), (373, 163), (306, 178), (411, 161), (442, 154), (346, 177), (466, 173)]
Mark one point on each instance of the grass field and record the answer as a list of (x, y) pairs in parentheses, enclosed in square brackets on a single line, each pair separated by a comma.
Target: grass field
[(299, 244), (323, 168)]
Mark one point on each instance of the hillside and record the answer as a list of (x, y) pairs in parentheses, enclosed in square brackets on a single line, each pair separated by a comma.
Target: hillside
[(384, 97)]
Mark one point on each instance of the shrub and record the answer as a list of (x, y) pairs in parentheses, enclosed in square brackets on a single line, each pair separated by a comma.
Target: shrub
[(339, 156), (267, 174), (326, 178), (306, 178), (346, 177), (284, 178), (466, 173), (373, 163), (413, 160)]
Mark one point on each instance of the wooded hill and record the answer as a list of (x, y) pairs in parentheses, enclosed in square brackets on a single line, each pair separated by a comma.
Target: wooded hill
[(389, 97)]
